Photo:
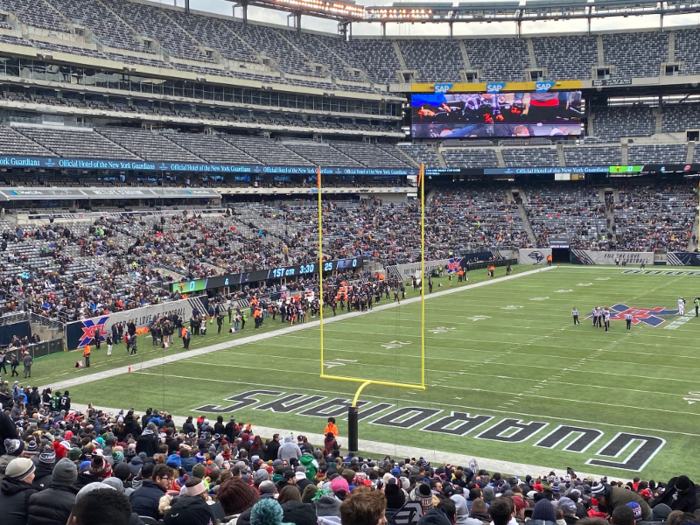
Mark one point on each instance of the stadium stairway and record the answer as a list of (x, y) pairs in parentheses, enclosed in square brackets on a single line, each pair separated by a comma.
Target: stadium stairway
[(526, 221), (693, 244)]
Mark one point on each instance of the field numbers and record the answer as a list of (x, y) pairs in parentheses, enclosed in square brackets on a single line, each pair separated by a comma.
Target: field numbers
[(511, 307), (396, 344), (339, 362), (479, 317), (441, 330)]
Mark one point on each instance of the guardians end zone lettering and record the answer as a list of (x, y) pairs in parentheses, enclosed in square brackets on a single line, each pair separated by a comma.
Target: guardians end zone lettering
[(625, 451)]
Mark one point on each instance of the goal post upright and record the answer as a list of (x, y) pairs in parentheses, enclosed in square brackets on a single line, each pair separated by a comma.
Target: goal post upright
[(353, 411), (320, 259)]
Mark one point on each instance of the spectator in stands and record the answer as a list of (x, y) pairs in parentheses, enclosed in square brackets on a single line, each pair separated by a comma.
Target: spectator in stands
[(613, 497), (15, 491), (144, 501), (364, 507), (54, 504), (101, 506)]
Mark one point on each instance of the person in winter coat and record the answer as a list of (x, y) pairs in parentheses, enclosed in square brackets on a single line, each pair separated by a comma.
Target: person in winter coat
[(272, 448), (395, 499), (289, 450), (44, 468), (680, 494), (15, 491), (613, 497), (53, 505), (148, 441), (8, 430), (145, 500), (330, 444)]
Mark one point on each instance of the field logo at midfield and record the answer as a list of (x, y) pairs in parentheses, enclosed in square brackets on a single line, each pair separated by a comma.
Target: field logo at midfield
[(649, 316)]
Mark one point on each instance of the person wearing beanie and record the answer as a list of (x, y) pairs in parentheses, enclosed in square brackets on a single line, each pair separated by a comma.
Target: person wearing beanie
[(260, 476), (267, 512), (267, 489), (14, 447), (54, 504), (74, 454), (15, 491), (395, 499), (236, 498), (422, 494), (99, 467), (543, 513), (680, 494), (44, 468), (613, 497)]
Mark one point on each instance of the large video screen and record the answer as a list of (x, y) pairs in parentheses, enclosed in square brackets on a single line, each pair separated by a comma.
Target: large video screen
[(486, 115)]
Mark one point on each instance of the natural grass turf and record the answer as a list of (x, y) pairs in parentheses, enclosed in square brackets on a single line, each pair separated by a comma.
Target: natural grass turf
[(528, 362)]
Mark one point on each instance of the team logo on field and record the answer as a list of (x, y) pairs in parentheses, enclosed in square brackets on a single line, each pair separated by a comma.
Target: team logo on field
[(649, 316), (93, 330)]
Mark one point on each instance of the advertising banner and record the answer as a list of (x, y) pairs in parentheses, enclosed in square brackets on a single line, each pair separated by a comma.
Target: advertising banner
[(683, 259), (81, 333), (533, 256), (624, 258)]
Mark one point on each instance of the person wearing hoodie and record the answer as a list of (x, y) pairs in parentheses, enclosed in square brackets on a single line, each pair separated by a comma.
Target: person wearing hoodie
[(680, 494), (289, 450), (15, 491), (543, 513), (462, 514), (148, 441), (328, 505), (53, 505)]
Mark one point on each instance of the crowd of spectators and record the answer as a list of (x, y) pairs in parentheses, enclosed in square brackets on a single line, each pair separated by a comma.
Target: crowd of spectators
[(576, 214), (75, 270), (650, 217), (59, 465)]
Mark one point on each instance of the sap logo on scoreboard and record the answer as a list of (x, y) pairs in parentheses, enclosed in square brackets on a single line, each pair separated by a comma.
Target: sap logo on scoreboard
[(623, 450), (543, 87), (442, 88), (495, 87)]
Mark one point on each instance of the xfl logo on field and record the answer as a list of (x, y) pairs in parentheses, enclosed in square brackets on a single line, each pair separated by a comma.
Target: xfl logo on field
[(649, 316), (92, 330)]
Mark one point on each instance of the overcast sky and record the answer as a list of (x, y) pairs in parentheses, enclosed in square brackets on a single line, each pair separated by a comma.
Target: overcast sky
[(279, 17)]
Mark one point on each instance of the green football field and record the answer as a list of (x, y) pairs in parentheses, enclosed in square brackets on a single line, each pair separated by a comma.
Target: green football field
[(508, 375)]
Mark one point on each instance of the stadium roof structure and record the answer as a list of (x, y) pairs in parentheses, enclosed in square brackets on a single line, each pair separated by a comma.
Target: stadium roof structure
[(347, 11)]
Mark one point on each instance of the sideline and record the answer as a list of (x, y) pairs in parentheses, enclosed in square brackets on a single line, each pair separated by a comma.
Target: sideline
[(136, 367), (400, 452)]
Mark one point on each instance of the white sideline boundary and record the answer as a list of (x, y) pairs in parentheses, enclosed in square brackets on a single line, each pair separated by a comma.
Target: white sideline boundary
[(399, 452), (138, 366)]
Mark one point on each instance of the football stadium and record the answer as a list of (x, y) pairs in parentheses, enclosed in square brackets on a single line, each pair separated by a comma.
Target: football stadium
[(305, 262)]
